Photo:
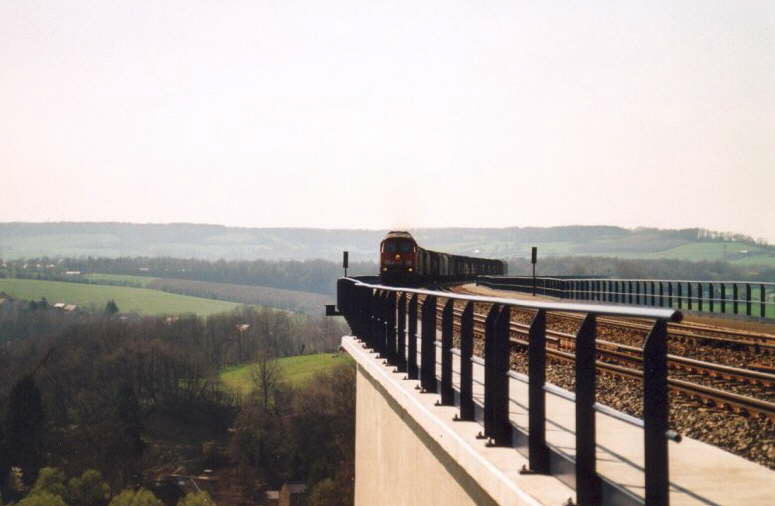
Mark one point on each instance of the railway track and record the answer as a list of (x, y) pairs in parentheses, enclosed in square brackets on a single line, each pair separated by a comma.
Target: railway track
[(612, 356), (621, 360)]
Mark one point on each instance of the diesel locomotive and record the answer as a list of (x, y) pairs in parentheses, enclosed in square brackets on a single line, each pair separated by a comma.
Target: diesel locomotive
[(403, 262)]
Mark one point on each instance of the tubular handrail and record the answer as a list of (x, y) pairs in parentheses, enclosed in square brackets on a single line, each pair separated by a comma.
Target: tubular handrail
[(655, 280), (601, 309), (752, 299)]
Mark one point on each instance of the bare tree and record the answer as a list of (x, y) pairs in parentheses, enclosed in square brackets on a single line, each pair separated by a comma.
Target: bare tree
[(267, 378)]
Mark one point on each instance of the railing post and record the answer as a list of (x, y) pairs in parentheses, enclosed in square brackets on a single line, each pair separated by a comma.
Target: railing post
[(392, 355), (700, 296), (499, 386), (653, 294), (748, 299), (489, 370), (346, 303), (365, 305), (412, 372), (655, 414), (711, 297), (680, 295), (736, 296), (466, 366), (538, 452), (762, 301), (342, 301), (661, 294), (723, 298), (383, 314), (375, 327), (428, 354), (629, 292), (587, 480), (670, 293), (689, 298), (402, 333), (447, 391)]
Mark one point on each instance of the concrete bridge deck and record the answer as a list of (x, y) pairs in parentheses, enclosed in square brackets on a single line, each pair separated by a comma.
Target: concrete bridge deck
[(699, 473)]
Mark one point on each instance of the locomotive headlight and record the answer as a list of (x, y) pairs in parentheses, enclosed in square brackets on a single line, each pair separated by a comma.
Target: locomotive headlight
[(398, 257), (384, 269), (410, 269)]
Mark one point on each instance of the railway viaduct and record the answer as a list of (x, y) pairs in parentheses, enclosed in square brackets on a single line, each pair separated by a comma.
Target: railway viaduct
[(442, 418)]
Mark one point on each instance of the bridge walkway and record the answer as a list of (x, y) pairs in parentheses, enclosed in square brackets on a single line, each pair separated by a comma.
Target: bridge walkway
[(699, 473)]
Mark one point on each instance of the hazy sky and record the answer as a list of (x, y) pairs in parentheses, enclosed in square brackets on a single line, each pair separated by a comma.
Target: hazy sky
[(385, 114)]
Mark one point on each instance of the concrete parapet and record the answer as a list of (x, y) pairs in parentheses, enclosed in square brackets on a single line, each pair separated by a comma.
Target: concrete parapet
[(409, 451)]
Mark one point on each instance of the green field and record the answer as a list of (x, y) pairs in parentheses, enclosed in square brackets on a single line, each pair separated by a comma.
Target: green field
[(710, 251), (296, 370), (128, 299)]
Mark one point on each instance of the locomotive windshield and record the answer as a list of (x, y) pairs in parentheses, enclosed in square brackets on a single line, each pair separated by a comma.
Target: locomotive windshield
[(397, 246)]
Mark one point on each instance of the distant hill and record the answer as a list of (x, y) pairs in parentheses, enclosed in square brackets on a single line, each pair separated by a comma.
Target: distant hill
[(184, 240)]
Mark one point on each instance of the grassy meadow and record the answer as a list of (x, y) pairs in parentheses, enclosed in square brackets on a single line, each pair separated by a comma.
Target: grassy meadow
[(128, 299), (296, 370)]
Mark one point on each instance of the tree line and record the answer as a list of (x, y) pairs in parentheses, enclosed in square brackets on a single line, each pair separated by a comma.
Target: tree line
[(318, 276)]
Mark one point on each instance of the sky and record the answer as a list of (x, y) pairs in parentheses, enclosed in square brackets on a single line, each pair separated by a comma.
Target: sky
[(390, 114)]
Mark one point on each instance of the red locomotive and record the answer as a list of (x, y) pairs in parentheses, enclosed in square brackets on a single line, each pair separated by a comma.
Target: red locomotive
[(403, 262)]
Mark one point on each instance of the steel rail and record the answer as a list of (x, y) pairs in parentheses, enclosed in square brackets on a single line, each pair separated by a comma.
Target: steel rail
[(688, 331), (718, 397), (721, 398), (674, 361), (568, 395)]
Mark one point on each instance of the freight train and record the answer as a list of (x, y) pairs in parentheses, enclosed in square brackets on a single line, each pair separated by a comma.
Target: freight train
[(403, 262)]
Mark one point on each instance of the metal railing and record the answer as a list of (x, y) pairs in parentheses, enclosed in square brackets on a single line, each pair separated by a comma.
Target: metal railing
[(746, 298), (386, 318)]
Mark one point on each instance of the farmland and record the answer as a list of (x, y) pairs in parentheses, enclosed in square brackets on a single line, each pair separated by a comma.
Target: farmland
[(292, 300), (295, 370), (128, 299), (127, 279)]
